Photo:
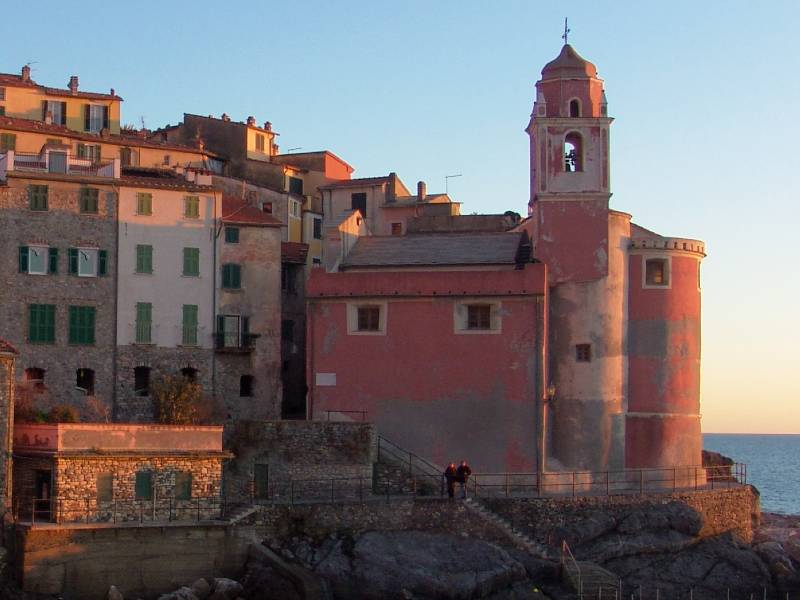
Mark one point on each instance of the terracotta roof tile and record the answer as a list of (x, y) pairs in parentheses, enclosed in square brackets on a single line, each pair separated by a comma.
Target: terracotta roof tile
[(294, 252), (363, 181), (239, 212), (9, 79)]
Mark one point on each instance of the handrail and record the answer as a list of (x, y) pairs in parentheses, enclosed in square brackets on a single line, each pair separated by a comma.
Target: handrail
[(568, 562), (404, 455), (363, 413)]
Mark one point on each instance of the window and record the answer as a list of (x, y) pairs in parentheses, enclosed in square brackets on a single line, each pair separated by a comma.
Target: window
[(84, 381), (369, 318), (288, 278), (105, 487), (87, 262), (317, 229), (287, 330), (141, 381), (358, 201), (126, 157), (95, 117), (89, 152), (38, 260), (35, 376), (231, 235), (144, 322), (189, 374), (144, 258), (295, 209), (56, 141), (231, 276), (143, 487), (8, 141), (316, 261), (2, 111), (166, 160), (261, 481), (267, 207), (583, 352), (81, 324), (259, 142), (246, 386), (189, 337), (233, 331), (191, 207), (573, 152), (144, 203), (42, 323), (191, 262), (397, 229), (183, 485), (2, 93), (657, 272), (37, 197), (57, 110), (479, 316), (296, 186), (87, 200), (575, 108)]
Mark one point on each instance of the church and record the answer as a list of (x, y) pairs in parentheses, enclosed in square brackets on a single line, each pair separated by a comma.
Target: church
[(565, 341)]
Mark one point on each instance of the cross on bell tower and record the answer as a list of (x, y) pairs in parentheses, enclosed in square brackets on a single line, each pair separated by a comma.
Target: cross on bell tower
[(566, 32)]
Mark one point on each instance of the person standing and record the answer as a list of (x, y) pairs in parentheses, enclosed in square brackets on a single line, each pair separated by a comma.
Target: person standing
[(462, 476), (450, 474)]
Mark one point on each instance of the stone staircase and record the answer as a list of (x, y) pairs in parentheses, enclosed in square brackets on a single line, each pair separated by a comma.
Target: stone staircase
[(531, 546), (240, 513)]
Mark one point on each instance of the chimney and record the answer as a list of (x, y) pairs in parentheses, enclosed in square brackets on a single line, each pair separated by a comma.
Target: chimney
[(251, 121), (26, 73), (113, 93), (73, 84), (267, 126), (422, 191), (225, 117), (391, 193)]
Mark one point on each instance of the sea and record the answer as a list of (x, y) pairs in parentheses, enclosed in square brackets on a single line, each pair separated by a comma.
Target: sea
[(773, 465)]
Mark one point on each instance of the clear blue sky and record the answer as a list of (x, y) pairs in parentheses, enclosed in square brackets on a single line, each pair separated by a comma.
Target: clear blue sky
[(705, 96)]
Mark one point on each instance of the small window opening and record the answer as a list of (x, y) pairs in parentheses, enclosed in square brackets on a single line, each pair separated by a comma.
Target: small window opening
[(189, 374), (369, 318), (144, 485), (141, 381), (358, 201), (397, 229), (267, 207), (35, 377), (183, 485), (479, 316), (573, 153), (574, 108), (84, 381), (656, 271), (105, 487), (246, 386), (583, 352)]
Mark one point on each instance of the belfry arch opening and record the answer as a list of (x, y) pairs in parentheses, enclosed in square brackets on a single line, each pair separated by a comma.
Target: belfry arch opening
[(574, 108), (573, 152)]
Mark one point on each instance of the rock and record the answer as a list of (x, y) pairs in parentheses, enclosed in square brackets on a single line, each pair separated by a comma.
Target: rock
[(114, 594), (201, 589), (183, 593), (261, 581), (225, 589), (426, 565)]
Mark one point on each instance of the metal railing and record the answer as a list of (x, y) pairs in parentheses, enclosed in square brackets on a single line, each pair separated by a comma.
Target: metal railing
[(64, 163), (570, 569)]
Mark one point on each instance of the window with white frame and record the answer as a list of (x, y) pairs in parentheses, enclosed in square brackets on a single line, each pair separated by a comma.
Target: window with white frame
[(37, 260), (478, 316), (87, 262), (656, 272), (366, 318), (295, 208)]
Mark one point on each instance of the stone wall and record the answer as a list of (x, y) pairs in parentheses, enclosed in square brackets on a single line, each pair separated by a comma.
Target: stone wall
[(6, 425), (62, 226), (298, 450), (733, 510), (139, 561)]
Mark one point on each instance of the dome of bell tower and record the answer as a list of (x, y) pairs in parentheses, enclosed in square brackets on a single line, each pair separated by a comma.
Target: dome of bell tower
[(569, 64)]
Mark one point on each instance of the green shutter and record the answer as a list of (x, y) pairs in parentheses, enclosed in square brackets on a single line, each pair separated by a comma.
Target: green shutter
[(72, 256), (49, 319), (87, 118), (8, 141), (144, 203), (144, 258), (144, 485), (189, 324), (102, 262), (237, 277), (144, 322), (52, 255), (231, 235), (23, 259), (191, 262), (44, 109), (81, 324), (191, 207), (88, 200), (37, 197), (63, 113)]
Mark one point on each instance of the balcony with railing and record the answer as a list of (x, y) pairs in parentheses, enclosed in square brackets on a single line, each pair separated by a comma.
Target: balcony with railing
[(57, 163)]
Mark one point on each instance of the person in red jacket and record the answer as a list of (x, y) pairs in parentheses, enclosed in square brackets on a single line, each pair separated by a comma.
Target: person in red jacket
[(462, 476), (450, 474)]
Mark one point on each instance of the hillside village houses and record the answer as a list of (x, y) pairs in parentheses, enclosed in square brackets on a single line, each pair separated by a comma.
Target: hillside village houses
[(567, 340)]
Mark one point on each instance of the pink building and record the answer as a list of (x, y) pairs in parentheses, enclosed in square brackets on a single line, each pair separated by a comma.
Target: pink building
[(589, 355)]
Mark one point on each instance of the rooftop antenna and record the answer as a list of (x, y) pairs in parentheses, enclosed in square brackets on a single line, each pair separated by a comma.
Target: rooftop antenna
[(291, 149), (446, 178), (566, 32), (141, 120)]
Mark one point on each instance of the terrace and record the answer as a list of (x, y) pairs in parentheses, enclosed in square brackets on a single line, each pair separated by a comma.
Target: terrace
[(57, 161)]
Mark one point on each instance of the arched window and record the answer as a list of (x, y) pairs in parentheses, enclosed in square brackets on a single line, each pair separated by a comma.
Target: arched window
[(573, 152), (574, 108)]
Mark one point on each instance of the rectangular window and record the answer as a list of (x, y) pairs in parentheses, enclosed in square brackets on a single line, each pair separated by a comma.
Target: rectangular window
[(288, 279), (260, 142), (261, 481), (183, 485), (144, 322), (105, 487), (144, 485), (231, 235), (87, 262), (246, 386), (95, 117), (2, 111), (81, 324), (89, 152), (397, 229), (479, 316), (126, 157), (8, 141), (191, 207), (267, 207), (144, 203), (57, 110), (358, 201), (369, 318), (233, 331), (295, 209), (189, 325), (296, 186), (2, 93), (87, 200), (287, 330), (34, 260), (144, 258), (232, 276), (37, 197), (42, 323), (656, 271), (141, 381), (583, 352), (191, 262), (317, 229)]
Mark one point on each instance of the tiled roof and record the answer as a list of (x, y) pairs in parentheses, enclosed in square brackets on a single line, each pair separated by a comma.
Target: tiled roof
[(6, 348), (147, 177), (439, 249), (294, 252), (405, 201), (17, 124), (238, 212), (10, 79), (364, 181)]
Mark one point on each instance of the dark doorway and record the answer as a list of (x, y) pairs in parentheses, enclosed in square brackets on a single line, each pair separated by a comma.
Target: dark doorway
[(44, 491), (261, 481)]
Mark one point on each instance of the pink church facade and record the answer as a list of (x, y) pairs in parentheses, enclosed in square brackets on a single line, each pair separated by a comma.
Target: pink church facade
[(595, 359)]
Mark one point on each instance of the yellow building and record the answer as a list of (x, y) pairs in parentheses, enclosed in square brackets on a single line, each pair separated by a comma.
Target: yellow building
[(88, 112)]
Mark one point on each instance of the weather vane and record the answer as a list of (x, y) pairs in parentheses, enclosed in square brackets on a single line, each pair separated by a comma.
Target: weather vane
[(566, 31)]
